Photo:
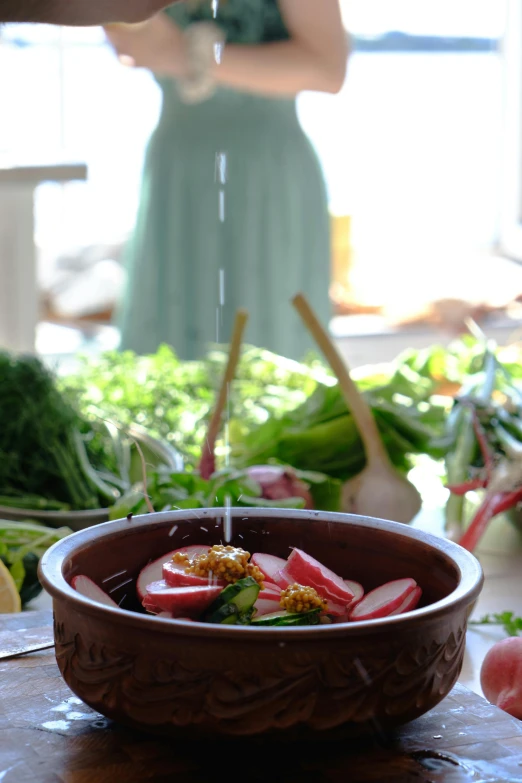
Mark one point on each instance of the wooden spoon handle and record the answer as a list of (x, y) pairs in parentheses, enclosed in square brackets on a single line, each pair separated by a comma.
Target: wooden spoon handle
[(230, 371), (370, 435)]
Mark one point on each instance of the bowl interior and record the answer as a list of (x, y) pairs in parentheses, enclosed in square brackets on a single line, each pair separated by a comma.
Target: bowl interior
[(369, 552)]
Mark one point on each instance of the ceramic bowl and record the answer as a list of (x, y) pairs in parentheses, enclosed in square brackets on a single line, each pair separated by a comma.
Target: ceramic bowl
[(193, 679)]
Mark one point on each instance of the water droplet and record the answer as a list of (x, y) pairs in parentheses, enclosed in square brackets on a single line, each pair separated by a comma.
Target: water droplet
[(222, 283), (77, 716), (203, 528), (55, 725), (437, 736), (122, 584), (109, 578), (173, 530)]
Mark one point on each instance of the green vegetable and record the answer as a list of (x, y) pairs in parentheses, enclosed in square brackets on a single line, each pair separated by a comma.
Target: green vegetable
[(51, 457), (168, 490), (22, 544), (288, 618), (235, 603), (511, 624), (321, 434), (173, 399)]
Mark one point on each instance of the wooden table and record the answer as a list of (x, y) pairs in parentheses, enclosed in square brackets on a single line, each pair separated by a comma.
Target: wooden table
[(47, 735), (19, 304)]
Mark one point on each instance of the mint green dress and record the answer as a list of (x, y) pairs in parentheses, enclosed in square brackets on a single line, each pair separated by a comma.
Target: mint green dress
[(233, 213)]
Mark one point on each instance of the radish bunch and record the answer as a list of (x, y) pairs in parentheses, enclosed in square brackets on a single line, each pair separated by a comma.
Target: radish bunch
[(166, 589)]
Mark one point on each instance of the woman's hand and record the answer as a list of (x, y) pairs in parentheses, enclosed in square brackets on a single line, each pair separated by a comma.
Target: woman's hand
[(156, 44)]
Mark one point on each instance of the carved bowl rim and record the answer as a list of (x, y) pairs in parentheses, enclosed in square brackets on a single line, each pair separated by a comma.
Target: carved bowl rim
[(53, 581)]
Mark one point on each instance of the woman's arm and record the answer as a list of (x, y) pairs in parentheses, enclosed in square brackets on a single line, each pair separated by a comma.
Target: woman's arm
[(315, 57), (78, 12)]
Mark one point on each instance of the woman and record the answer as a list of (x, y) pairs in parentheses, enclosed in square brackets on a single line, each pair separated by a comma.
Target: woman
[(233, 207)]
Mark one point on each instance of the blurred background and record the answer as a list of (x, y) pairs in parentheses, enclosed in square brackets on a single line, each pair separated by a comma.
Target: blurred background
[(421, 152)]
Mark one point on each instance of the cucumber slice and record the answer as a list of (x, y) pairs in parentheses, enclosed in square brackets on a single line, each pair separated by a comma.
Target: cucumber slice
[(227, 614), (288, 618), (242, 594)]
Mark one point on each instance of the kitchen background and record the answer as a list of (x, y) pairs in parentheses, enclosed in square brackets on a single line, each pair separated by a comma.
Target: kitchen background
[(422, 176)]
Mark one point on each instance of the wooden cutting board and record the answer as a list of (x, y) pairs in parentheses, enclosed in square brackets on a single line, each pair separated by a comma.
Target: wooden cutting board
[(47, 735)]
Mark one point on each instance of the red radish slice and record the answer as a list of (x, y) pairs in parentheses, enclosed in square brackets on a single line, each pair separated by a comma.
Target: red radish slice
[(264, 606), (383, 600), (409, 603), (336, 610), (170, 616), (337, 607), (175, 575), (284, 580), (89, 589), (306, 570), (269, 565), (154, 571), (356, 588), (150, 607), (269, 587), (334, 607), (181, 601), (269, 595)]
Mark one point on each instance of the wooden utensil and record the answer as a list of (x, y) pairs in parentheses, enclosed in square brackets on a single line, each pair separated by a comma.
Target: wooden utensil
[(379, 490), (207, 465)]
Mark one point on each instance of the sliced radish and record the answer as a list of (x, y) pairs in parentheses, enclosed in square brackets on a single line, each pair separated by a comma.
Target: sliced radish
[(270, 595), (181, 601), (175, 575), (383, 600), (270, 587), (336, 610), (89, 589), (151, 607), (357, 590), (269, 565), (335, 607), (154, 571), (284, 580), (170, 616), (409, 603), (306, 570), (265, 606)]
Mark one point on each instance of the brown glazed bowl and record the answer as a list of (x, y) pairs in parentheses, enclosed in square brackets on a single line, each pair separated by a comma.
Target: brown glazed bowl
[(192, 679)]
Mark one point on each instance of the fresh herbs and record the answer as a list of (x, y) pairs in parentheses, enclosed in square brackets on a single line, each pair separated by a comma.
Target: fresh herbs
[(52, 458), (173, 399), (511, 624), (168, 490)]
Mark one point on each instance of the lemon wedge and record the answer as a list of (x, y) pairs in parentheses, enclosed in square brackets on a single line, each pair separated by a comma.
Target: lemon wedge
[(9, 598)]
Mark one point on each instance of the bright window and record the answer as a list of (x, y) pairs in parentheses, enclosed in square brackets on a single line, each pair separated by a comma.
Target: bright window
[(411, 147)]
